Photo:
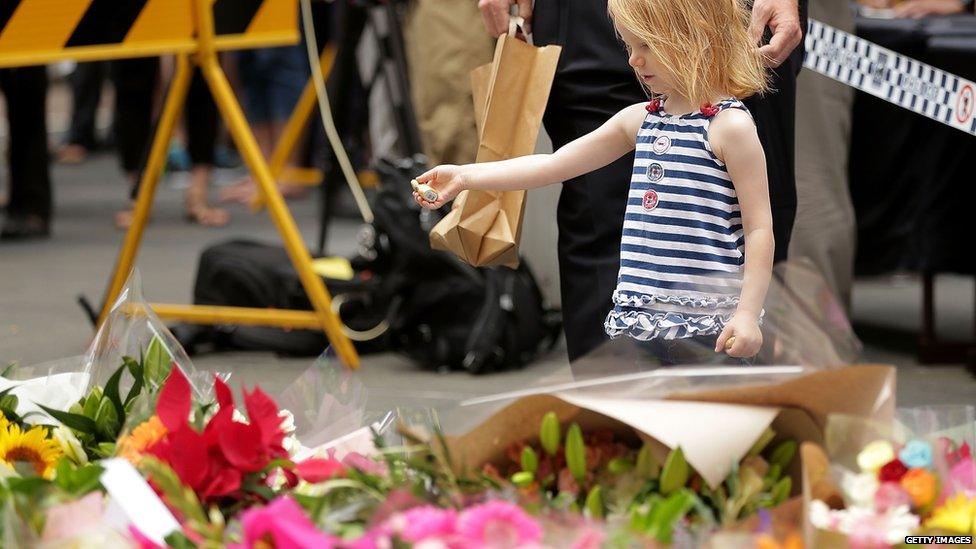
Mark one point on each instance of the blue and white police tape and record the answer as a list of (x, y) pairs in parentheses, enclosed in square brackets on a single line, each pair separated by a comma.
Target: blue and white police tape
[(898, 79)]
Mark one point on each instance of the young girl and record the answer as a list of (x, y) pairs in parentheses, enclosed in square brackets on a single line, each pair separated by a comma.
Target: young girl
[(697, 245)]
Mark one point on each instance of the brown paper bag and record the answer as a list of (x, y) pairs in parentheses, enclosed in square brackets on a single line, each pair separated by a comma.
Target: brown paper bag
[(510, 95)]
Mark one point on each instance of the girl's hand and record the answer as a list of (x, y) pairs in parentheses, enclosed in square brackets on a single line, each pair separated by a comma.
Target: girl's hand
[(748, 337), (447, 180)]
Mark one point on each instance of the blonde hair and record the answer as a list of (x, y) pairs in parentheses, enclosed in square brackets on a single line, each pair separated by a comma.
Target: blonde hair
[(704, 43)]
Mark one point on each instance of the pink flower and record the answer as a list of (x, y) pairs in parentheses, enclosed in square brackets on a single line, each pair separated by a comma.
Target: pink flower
[(889, 496), (963, 474), (284, 524), (357, 461), (590, 538), (315, 470), (421, 523), (497, 524), (141, 540), (69, 520)]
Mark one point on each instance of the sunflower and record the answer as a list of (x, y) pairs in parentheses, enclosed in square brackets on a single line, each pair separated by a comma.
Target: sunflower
[(30, 447), (134, 444)]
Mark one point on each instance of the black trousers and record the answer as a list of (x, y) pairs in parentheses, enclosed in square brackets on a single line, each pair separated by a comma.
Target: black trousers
[(593, 82), (86, 91), (25, 89), (135, 86)]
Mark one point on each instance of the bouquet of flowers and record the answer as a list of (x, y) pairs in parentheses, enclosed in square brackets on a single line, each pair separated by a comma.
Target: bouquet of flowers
[(897, 484)]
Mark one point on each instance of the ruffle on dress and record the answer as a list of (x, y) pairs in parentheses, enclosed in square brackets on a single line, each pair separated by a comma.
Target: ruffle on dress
[(649, 324)]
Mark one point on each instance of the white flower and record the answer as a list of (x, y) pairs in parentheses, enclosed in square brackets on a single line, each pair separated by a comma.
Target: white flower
[(893, 525), (287, 422), (70, 445), (860, 488), (239, 417)]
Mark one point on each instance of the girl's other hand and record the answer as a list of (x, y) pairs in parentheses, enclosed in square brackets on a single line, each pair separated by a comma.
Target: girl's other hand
[(748, 337), (447, 180)]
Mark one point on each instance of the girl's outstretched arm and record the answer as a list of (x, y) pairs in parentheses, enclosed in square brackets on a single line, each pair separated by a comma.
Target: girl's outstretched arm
[(734, 139), (594, 150)]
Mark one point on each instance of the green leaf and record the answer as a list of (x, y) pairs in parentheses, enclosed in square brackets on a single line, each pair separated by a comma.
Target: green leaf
[(9, 402), (549, 433), (157, 363), (73, 421), (530, 461), (783, 454), (619, 466), (8, 369), (782, 490), (576, 453), (90, 407), (675, 473), (107, 421), (105, 449), (178, 540), (668, 513), (764, 439), (112, 393), (138, 383), (78, 481), (594, 503), (647, 466)]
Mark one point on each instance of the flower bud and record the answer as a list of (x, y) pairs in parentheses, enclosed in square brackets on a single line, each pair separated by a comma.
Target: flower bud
[(530, 461), (549, 433), (576, 453)]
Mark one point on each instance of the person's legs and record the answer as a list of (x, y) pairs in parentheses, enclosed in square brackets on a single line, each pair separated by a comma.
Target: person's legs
[(593, 82), (86, 91), (825, 229), (775, 114), (29, 209), (135, 83), (201, 132)]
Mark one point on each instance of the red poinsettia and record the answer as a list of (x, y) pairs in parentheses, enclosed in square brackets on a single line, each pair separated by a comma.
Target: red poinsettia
[(214, 463)]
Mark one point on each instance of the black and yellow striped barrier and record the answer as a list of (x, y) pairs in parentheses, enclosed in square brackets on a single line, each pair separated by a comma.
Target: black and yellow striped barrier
[(36, 32)]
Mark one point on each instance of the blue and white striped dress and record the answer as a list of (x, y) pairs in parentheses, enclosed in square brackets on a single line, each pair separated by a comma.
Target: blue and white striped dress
[(682, 251)]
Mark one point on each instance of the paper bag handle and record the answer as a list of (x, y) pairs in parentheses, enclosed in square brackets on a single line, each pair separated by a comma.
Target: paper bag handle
[(515, 22)]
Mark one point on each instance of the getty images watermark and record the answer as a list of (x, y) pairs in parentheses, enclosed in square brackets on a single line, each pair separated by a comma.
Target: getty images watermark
[(938, 540)]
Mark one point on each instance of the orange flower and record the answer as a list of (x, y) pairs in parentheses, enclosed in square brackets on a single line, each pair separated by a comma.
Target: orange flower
[(766, 541), (920, 485), (134, 444)]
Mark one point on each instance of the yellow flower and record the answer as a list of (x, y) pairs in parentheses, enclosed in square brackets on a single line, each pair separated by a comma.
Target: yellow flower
[(3, 421), (957, 514), (31, 447), (874, 455), (134, 444)]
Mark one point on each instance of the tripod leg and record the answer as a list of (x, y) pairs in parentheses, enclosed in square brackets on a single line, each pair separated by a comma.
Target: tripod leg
[(149, 181)]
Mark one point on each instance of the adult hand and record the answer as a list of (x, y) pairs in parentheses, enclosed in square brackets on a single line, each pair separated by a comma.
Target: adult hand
[(920, 8), (496, 14), (783, 18)]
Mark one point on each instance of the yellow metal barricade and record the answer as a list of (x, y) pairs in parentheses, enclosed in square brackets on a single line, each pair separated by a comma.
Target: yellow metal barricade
[(35, 32)]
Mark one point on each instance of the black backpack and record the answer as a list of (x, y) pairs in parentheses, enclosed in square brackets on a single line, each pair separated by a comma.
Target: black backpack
[(404, 297)]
